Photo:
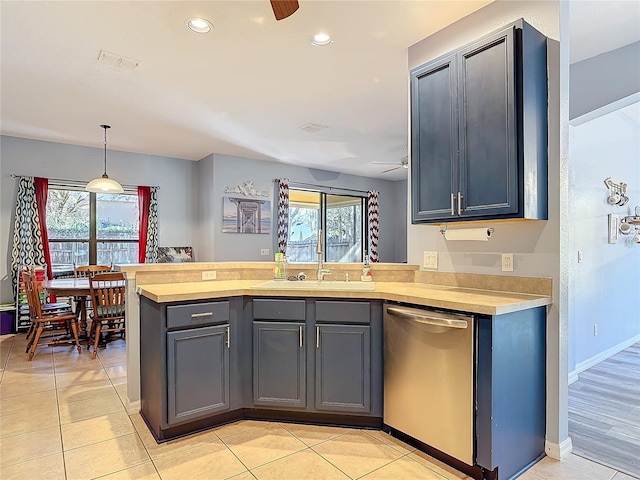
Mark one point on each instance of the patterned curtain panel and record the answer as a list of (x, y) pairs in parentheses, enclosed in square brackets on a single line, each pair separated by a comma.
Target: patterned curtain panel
[(27, 236), (144, 197), (151, 251), (373, 221), (283, 214)]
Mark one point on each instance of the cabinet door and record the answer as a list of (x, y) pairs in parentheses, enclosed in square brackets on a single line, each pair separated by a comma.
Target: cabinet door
[(279, 364), (343, 368), (198, 372), (488, 133), (434, 140)]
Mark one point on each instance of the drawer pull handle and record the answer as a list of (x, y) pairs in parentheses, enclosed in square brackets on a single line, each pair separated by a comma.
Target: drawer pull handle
[(228, 337), (203, 314), (317, 337), (300, 330)]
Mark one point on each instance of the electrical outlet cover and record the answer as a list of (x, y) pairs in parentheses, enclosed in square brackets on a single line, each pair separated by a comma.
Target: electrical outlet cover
[(430, 260), (507, 262)]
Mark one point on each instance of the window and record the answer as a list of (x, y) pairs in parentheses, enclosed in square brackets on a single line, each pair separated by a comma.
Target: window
[(91, 228), (339, 216)]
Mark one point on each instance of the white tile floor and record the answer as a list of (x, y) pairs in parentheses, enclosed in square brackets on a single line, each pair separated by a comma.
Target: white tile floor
[(62, 417)]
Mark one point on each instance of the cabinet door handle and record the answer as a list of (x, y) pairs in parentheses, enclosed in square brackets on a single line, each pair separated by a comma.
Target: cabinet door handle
[(459, 203), (317, 337), (300, 330), (453, 201), (228, 337), (203, 314)]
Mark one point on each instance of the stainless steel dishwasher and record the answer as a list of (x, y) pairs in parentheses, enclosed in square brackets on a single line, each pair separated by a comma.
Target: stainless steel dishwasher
[(428, 378)]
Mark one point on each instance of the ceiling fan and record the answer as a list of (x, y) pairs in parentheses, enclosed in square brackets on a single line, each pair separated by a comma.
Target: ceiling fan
[(404, 163), (284, 8)]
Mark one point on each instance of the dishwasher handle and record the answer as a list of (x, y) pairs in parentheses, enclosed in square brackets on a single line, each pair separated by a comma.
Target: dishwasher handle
[(429, 318)]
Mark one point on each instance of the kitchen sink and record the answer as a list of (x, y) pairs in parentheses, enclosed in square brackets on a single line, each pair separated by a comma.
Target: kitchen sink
[(328, 285)]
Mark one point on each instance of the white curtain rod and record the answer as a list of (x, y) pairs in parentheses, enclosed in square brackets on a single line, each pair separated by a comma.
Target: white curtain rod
[(70, 183)]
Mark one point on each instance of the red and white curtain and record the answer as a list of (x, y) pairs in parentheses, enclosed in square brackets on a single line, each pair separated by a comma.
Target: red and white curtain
[(373, 209), (148, 224), (283, 214), (30, 240)]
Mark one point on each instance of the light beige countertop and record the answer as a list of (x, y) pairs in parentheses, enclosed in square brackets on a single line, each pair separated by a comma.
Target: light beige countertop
[(490, 302)]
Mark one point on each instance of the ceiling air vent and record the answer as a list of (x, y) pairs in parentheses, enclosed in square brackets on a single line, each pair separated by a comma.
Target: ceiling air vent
[(312, 127), (117, 60)]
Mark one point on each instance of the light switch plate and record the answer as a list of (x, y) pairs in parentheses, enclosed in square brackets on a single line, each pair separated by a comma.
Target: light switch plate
[(264, 251), (430, 260), (614, 223)]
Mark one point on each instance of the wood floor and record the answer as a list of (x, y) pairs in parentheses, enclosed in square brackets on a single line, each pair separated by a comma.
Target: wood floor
[(604, 412)]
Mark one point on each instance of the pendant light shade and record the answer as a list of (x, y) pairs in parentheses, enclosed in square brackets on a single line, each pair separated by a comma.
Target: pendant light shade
[(104, 184)]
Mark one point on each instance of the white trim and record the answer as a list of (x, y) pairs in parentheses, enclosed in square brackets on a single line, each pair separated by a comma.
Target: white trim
[(611, 107), (573, 377), (132, 407), (590, 362), (558, 451)]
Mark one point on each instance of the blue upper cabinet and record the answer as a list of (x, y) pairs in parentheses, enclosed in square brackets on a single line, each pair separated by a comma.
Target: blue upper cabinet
[(479, 130)]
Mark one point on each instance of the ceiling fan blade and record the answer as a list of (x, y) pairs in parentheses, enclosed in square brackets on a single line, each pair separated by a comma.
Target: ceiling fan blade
[(391, 169), (284, 8)]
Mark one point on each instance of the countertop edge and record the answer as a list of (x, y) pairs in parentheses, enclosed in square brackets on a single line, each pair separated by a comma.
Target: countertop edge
[(384, 291)]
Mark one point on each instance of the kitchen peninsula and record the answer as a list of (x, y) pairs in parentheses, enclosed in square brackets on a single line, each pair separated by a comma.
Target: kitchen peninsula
[(175, 303)]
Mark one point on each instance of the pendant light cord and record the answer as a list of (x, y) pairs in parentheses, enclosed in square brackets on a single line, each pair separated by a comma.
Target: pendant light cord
[(104, 175)]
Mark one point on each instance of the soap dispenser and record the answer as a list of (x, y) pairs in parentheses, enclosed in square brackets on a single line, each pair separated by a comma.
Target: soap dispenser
[(365, 276)]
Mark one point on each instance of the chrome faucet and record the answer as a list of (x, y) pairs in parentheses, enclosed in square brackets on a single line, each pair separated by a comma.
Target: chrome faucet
[(321, 270)]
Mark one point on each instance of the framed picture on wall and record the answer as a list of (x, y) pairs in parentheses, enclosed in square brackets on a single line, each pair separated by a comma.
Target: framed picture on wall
[(175, 254), (246, 215)]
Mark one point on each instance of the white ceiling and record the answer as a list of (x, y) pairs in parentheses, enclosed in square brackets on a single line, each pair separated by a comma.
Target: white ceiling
[(243, 89)]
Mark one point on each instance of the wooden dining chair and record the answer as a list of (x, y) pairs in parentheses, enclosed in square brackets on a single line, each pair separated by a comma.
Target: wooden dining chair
[(108, 299), (47, 307), (46, 320), (84, 271)]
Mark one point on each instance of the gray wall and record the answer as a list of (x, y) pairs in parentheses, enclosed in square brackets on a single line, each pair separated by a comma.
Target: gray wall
[(617, 69), (400, 220), (229, 171), (175, 177), (535, 244), (605, 287)]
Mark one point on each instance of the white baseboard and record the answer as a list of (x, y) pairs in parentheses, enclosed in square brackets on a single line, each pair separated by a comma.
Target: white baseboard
[(573, 377), (133, 407), (582, 366), (558, 451)]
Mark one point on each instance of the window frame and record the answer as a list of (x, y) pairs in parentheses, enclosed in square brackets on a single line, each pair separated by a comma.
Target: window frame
[(93, 239), (322, 215)]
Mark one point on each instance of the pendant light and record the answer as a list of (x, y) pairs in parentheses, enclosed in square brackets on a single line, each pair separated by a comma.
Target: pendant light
[(104, 184)]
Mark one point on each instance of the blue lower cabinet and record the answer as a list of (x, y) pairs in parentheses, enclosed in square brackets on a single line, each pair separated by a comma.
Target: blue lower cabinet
[(197, 373), (343, 368), (279, 364)]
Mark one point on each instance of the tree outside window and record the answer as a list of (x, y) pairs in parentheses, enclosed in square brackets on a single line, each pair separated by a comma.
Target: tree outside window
[(87, 228)]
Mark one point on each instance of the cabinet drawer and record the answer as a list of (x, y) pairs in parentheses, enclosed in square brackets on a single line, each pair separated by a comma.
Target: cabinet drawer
[(193, 315), (343, 312), (276, 309)]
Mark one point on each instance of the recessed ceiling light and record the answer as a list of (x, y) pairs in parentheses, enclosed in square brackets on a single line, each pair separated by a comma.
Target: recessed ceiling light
[(320, 39), (199, 25)]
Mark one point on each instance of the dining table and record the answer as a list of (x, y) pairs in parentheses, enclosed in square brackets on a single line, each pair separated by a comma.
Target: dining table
[(79, 289)]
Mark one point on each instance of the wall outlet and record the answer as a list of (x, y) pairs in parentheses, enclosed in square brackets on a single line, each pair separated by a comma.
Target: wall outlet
[(579, 256), (264, 251), (614, 221), (507, 262), (430, 260), (209, 275), (595, 329)]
